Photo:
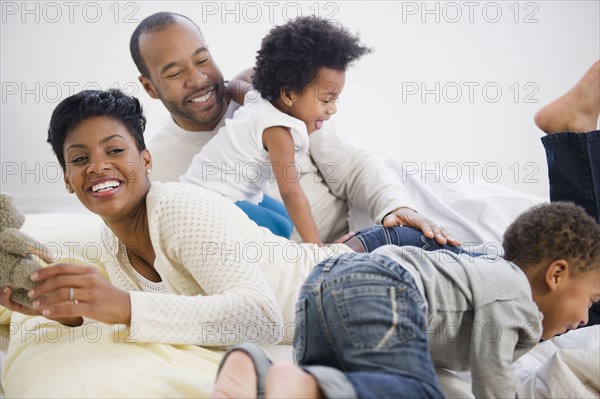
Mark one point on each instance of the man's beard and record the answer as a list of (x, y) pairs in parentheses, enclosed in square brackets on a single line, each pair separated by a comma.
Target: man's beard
[(199, 117)]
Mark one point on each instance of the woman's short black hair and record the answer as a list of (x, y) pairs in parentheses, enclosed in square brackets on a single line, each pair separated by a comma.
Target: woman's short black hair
[(292, 54), (88, 103)]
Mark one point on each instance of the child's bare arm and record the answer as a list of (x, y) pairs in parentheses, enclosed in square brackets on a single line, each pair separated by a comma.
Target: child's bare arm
[(240, 85), (280, 144)]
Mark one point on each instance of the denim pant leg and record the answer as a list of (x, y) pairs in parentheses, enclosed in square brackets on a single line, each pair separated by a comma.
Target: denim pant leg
[(574, 169), (574, 173), (363, 314), (372, 238)]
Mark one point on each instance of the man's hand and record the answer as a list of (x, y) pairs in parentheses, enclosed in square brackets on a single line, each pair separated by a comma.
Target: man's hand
[(411, 218)]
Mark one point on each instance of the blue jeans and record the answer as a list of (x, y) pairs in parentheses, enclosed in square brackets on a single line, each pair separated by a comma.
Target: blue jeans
[(363, 314), (574, 173), (269, 213), (372, 238), (574, 169)]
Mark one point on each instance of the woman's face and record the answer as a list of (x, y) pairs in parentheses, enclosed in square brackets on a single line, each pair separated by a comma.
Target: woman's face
[(104, 167)]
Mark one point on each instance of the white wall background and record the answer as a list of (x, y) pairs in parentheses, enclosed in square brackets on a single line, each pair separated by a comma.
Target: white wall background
[(450, 84)]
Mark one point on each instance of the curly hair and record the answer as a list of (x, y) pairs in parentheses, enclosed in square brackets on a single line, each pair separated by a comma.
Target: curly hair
[(292, 54), (88, 103), (560, 230)]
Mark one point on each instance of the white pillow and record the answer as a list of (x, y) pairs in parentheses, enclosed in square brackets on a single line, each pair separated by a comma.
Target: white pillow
[(66, 234), (46, 359)]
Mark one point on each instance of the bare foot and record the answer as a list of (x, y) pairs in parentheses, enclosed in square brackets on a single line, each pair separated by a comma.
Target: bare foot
[(575, 111), (286, 380), (237, 378)]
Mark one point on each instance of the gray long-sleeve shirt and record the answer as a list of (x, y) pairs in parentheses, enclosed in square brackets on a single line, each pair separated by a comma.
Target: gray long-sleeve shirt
[(481, 315)]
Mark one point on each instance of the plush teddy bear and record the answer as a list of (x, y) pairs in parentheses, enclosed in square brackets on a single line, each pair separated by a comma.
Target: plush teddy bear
[(16, 250)]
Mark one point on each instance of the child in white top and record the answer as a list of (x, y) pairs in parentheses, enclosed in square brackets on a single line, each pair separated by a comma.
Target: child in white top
[(299, 75)]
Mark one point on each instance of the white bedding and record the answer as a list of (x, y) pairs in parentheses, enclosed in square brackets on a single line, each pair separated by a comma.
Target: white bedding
[(564, 367), (474, 212), (567, 366)]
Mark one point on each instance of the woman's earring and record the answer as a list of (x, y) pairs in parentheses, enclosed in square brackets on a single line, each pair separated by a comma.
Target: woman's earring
[(70, 189), (148, 171)]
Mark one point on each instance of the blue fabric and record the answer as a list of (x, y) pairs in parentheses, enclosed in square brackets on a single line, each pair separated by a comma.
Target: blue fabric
[(269, 213), (372, 238), (574, 169), (344, 318), (574, 173)]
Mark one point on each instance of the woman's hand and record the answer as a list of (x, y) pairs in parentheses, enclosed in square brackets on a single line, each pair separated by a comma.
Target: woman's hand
[(66, 291), (411, 218), (17, 307)]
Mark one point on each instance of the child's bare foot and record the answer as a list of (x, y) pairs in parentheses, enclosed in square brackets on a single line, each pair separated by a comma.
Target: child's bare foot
[(286, 380), (237, 378), (575, 111)]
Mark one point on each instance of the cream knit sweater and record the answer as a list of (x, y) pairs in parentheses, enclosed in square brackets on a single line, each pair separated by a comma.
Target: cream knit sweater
[(227, 279)]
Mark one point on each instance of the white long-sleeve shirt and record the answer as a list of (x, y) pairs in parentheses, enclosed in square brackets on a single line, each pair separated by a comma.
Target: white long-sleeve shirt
[(227, 279)]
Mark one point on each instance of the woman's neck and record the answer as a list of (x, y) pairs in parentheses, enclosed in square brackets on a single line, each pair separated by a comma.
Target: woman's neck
[(134, 232)]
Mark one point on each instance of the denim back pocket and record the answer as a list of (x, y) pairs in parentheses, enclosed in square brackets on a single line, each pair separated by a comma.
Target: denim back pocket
[(375, 314), (300, 330)]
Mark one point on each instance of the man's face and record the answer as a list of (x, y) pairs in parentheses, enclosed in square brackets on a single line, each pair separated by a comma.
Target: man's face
[(183, 76)]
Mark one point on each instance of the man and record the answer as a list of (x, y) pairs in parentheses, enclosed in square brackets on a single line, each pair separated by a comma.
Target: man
[(177, 68)]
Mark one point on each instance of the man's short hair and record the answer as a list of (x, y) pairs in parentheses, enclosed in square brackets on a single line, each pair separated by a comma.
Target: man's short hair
[(559, 230), (153, 23)]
